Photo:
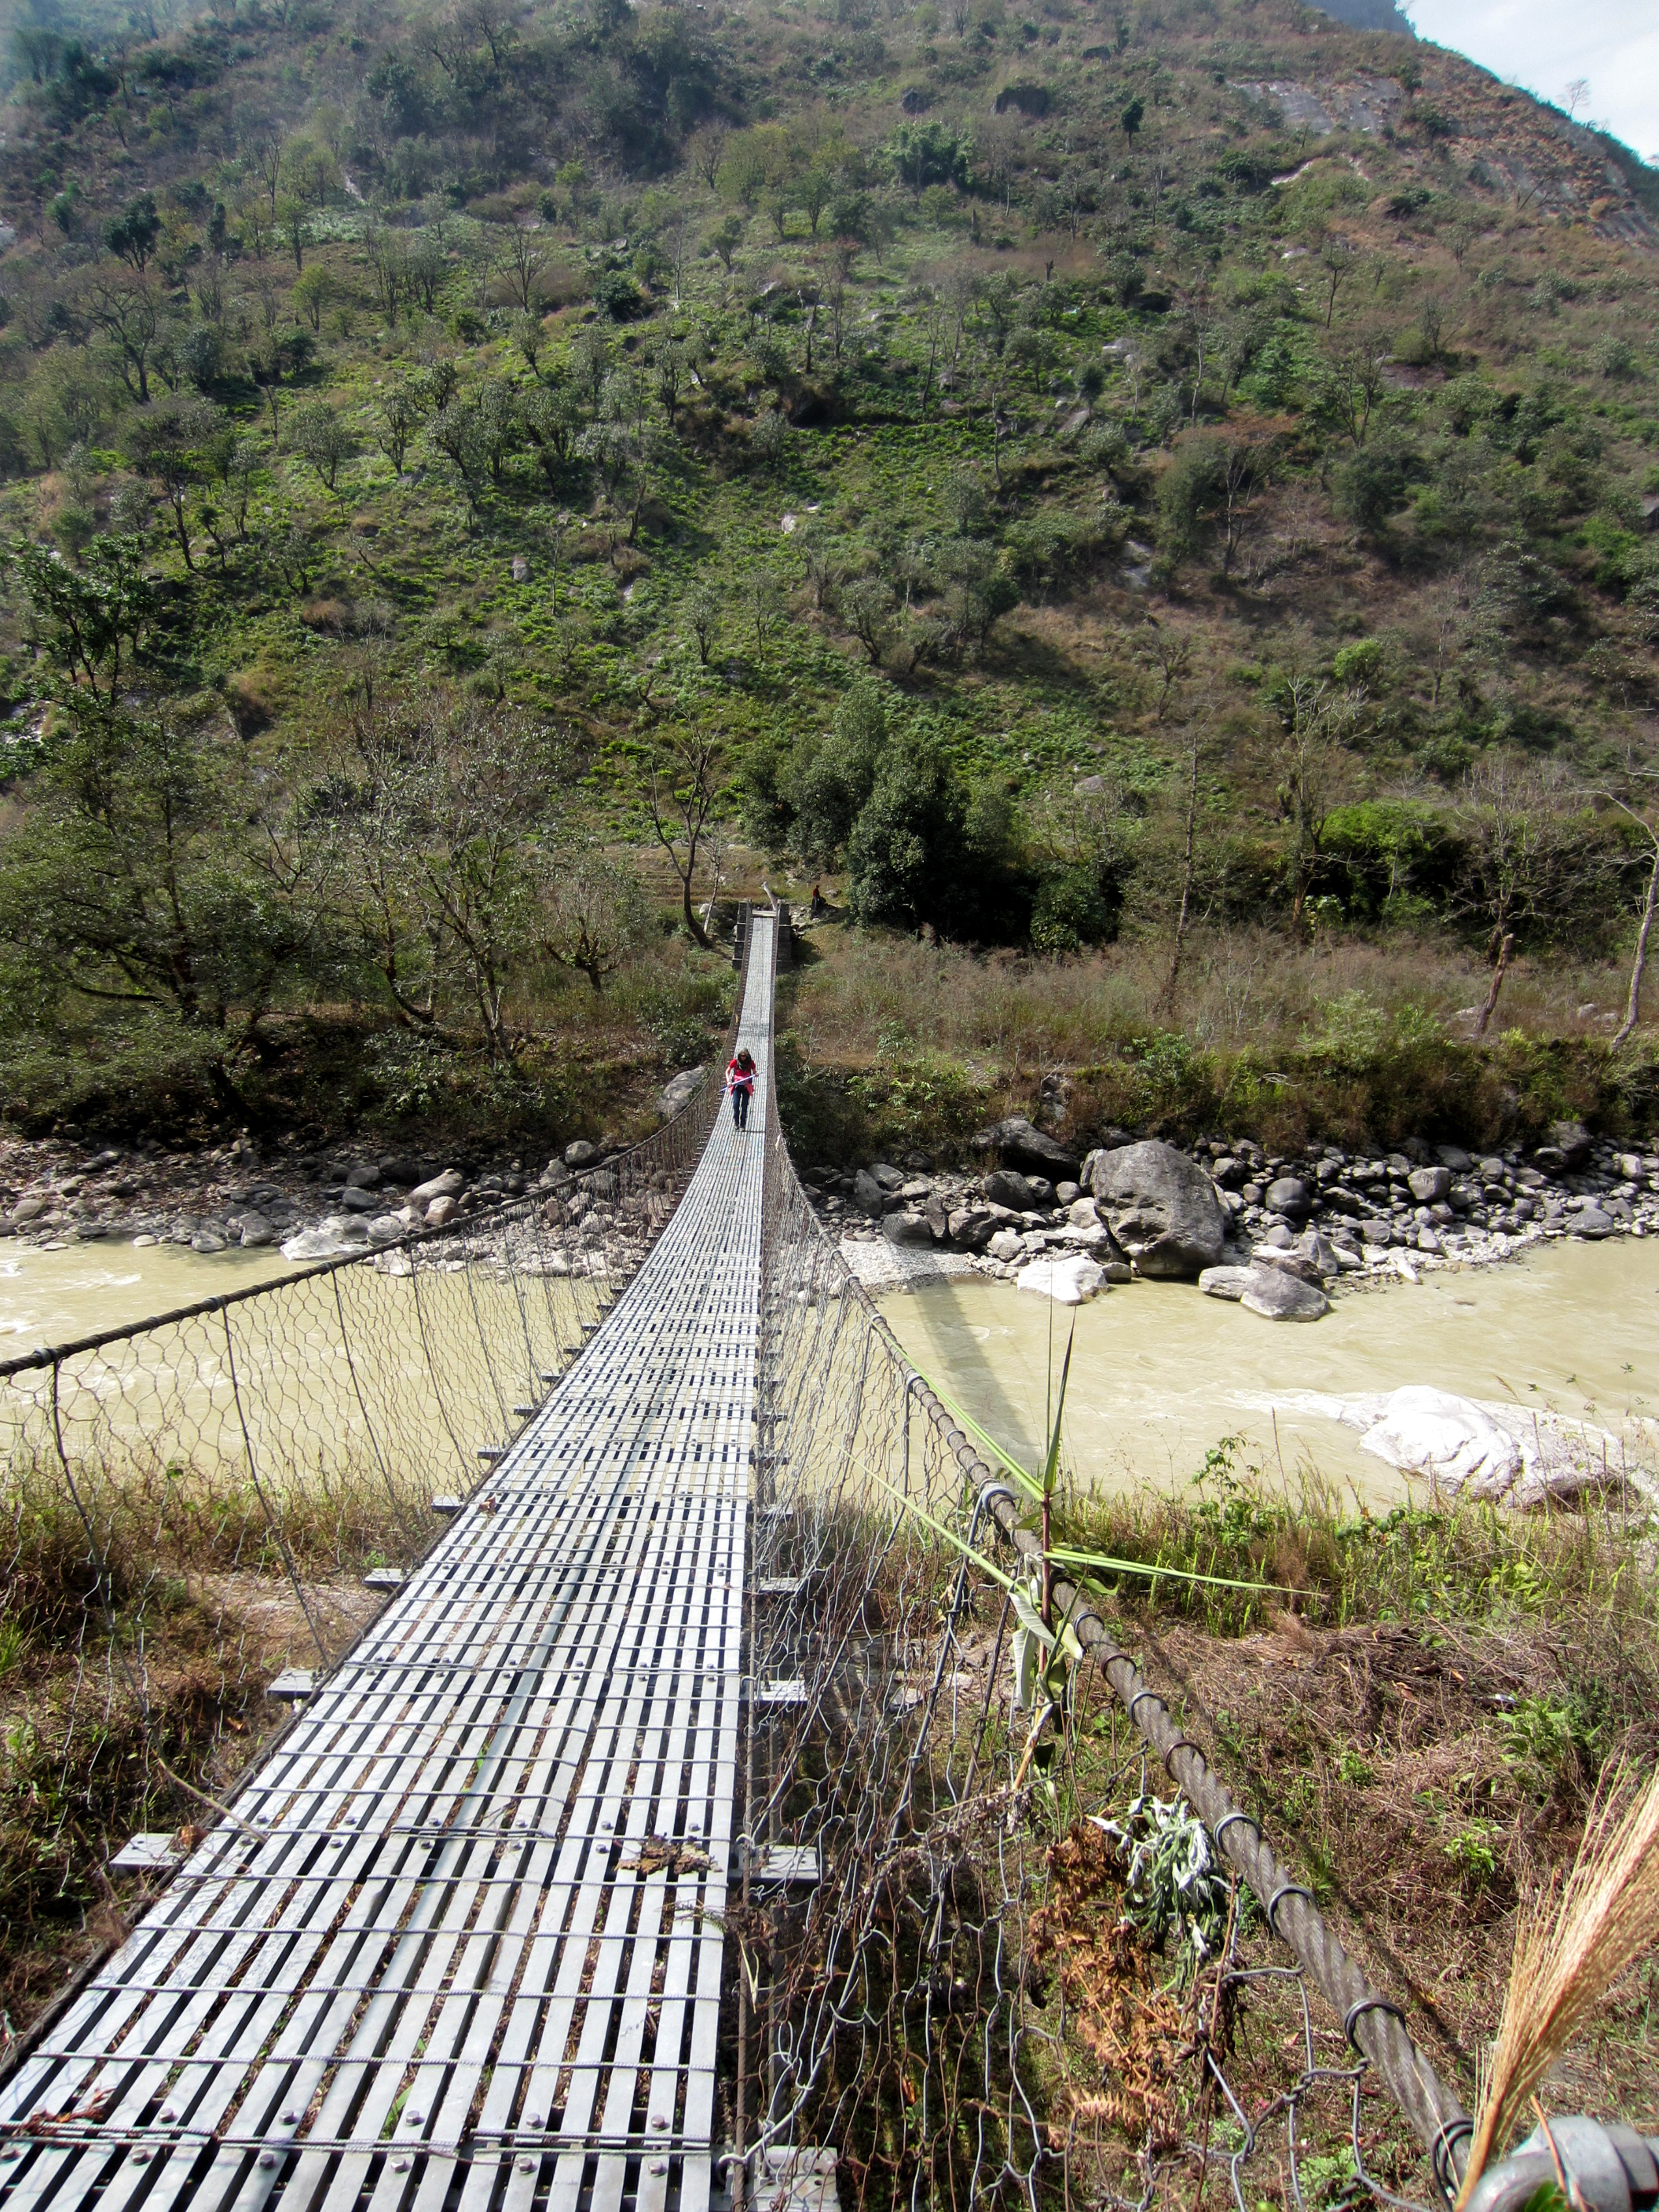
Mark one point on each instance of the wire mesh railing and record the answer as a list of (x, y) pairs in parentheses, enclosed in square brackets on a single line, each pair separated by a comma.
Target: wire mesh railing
[(188, 1505), (991, 1962)]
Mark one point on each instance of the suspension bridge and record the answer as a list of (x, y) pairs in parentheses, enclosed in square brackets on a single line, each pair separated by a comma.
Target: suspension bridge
[(476, 1899), (660, 1828)]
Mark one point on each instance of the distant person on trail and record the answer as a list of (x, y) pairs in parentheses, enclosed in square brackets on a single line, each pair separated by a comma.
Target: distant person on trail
[(740, 1082), (817, 901)]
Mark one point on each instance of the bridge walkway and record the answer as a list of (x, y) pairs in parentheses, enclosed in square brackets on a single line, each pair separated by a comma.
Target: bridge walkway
[(461, 1946)]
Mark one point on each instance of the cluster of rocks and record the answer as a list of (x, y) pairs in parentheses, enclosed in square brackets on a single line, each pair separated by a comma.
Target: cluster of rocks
[(234, 1196), (1270, 1230)]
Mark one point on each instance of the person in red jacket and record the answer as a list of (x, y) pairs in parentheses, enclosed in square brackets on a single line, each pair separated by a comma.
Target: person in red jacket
[(740, 1082)]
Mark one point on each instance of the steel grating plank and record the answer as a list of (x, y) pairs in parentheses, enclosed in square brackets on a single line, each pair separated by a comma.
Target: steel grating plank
[(436, 1911)]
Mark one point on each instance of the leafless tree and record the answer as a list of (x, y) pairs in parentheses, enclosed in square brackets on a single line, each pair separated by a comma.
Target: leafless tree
[(707, 150), (1170, 651), (1196, 734), (523, 262), (1646, 819), (1521, 849), (448, 798), (1339, 260), (1311, 766), (682, 785), (127, 307), (1356, 380), (593, 914)]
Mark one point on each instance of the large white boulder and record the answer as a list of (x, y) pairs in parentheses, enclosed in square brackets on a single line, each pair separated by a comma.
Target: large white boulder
[(1453, 1440), (1068, 1282), (335, 1236)]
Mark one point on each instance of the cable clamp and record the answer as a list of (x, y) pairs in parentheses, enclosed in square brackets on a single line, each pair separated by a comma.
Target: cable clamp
[(1368, 2004), (1136, 1699), (1226, 1821), (1447, 2136), (1181, 1743), (1285, 1889)]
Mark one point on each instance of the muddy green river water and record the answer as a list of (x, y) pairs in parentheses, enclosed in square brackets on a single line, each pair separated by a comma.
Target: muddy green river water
[(53, 1297), (1161, 1375)]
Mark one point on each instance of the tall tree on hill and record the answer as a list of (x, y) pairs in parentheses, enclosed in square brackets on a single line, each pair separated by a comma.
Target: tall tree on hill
[(1645, 817), (1525, 859), (682, 785)]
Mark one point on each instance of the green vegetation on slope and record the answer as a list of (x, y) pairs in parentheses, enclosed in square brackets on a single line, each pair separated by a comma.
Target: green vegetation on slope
[(1173, 499)]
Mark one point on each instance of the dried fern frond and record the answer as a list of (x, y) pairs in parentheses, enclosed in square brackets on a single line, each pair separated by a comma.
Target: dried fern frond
[(1568, 1956)]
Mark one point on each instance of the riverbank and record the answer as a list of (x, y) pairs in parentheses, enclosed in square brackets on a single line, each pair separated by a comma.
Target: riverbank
[(228, 1202), (1324, 1214)]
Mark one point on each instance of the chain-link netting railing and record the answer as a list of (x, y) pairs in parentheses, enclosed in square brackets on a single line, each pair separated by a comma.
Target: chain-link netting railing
[(189, 1505), (1003, 1935)]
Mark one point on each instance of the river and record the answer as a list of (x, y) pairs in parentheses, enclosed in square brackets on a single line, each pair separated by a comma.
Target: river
[(1161, 1375), (56, 1297)]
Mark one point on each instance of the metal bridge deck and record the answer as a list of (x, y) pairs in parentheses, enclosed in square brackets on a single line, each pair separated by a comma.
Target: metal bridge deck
[(461, 1945)]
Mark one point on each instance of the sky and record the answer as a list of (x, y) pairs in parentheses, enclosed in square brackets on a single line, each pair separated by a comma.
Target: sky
[(1544, 47)]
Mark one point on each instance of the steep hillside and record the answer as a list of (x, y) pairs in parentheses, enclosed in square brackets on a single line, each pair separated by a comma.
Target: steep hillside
[(1160, 502)]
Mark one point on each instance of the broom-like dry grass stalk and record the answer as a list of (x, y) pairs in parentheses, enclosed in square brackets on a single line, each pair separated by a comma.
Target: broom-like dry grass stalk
[(1567, 1957)]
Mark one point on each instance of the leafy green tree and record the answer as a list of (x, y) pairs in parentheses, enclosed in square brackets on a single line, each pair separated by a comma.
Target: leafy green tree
[(867, 606), (929, 152), (501, 429), (319, 432), (292, 222), (456, 433), (133, 878), (170, 444), (135, 234), (551, 420), (907, 860), (94, 622), (1211, 489), (402, 412), (314, 291), (724, 240), (530, 339), (1372, 486), (977, 588), (832, 780)]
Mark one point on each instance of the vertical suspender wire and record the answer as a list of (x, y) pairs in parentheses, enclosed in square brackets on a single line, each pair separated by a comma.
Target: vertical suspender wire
[(100, 1559), (502, 1404), (106, 1605), (515, 1278), (368, 1425), (469, 1474), (259, 1492), (547, 1279)]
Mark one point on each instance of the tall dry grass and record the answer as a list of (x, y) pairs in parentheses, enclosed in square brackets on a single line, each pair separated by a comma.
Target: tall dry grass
[(867, 994), (1569, 1951)]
